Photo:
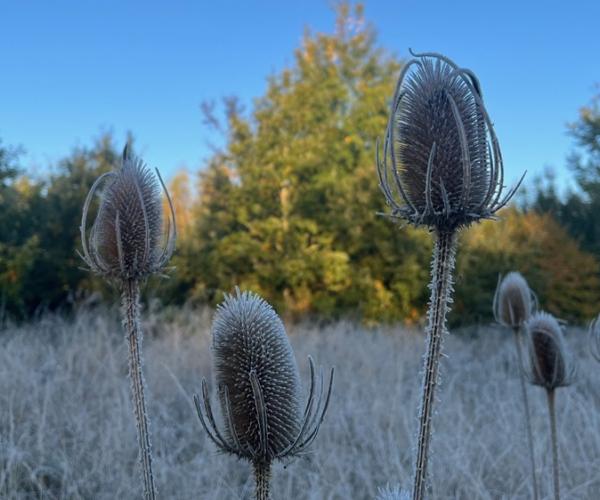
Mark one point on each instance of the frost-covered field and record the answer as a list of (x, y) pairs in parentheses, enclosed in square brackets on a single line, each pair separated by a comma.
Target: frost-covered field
[(66, 429)]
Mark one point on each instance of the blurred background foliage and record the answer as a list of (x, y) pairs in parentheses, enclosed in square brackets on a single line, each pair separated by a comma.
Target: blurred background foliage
[(288, 208)]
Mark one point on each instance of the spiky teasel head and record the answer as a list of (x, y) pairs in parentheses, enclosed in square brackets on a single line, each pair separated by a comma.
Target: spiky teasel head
[(595, 338), (259, 385), (127, 240), (550, 366), (444, 156), (513, 301)]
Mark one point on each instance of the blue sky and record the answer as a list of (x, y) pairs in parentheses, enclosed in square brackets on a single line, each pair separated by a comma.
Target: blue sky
[(71, 69)]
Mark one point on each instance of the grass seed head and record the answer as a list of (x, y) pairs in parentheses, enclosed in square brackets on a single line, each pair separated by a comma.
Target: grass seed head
[(513, 301), (127, 240), (550, 365), (445, 161)]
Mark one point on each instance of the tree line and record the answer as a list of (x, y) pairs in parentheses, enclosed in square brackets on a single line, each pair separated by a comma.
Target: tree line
[(288, 207)]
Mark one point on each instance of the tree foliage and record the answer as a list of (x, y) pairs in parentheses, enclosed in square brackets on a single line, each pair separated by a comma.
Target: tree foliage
[(578, 210), (288, 208), (564, 277), (39, 267)]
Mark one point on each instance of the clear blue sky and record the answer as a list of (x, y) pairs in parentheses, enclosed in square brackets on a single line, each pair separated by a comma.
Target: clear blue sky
[(71, 69)]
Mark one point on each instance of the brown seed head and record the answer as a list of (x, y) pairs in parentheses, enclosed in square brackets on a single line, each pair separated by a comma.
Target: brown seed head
[(127, 240), (259, 384), (445, 159), (550, 366), (513, 300)]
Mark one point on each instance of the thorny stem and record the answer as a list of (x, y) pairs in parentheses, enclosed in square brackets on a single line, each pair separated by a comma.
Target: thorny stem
[(552, 411), (441, 291), (262, 475), (130, 298), (527, 412)]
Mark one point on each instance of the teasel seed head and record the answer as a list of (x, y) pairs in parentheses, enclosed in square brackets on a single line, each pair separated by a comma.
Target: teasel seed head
[(259, 385), (514, 301), (441, 164), (594, 332), (128, 239), (550, 366)]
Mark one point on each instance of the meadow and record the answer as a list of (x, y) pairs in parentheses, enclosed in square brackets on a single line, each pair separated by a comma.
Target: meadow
[(66, 429)]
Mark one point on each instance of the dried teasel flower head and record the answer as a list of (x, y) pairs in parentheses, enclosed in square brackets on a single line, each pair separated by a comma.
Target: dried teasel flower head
[(550, 366), (128, 239), (259, 385), (594, 332), (443, 154), (513, 301)]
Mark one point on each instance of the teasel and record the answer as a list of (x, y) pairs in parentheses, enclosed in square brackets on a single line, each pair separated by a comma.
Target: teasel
[(514, 303), (259, 389), (441, 168), (594, 338), (549, 367), (128, 242)]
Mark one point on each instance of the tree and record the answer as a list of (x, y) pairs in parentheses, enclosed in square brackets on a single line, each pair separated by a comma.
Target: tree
[(18, 242), (577, 210), (288, 207), (39, 267), (564, 277)]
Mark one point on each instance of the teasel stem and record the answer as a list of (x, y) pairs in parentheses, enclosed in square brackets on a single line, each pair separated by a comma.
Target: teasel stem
[(552, 411), (517, 337), (441, 297), (262, 475), (130, 298)]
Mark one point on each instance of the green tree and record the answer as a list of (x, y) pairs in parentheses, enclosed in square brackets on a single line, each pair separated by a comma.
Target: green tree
[(58, 269), (39, 268), (577, 210), (288, 207), (564, 277), (18, 243)]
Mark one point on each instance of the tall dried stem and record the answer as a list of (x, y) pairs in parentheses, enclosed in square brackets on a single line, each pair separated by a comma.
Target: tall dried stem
[(552, 411), (441, 297), (130, 299), (517, 337)]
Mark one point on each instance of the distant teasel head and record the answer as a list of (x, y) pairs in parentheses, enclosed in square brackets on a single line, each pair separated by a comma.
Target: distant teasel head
[(514, 301), (595, 338), (441, 165), (128, 239), (550, 366), (259, 385)]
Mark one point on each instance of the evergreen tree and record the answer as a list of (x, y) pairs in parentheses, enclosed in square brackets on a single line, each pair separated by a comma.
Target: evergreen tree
[(288, 208), (39, 268), (577, 210)]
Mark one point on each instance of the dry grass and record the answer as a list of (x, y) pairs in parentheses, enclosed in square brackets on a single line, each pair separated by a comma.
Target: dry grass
[(66, 431)]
